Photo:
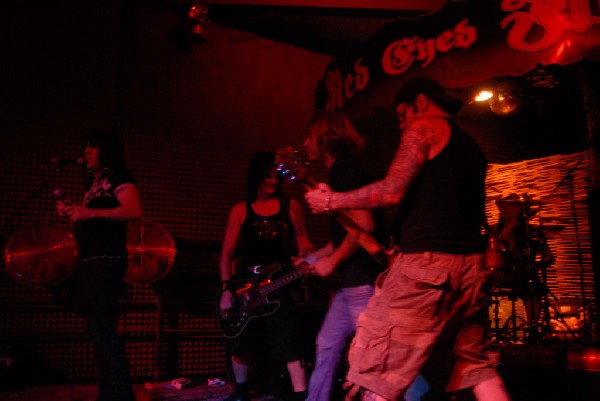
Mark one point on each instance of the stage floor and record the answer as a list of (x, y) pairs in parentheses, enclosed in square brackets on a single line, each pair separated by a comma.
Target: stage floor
[(87, 392), (530, 372)]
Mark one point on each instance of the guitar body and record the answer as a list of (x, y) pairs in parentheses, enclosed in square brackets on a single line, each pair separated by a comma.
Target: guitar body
[(251, 300)]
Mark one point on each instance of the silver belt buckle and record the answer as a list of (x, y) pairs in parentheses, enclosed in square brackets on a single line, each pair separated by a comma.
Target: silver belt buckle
[(256, 269)]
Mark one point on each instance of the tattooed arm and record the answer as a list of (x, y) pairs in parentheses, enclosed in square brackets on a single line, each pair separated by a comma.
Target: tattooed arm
[(421, 140)]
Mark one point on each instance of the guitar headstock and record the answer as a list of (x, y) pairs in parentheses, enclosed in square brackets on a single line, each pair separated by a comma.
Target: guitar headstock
[(291, 164)]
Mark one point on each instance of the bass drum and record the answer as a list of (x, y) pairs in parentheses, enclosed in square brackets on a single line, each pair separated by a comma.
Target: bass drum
[(41, 255), (151, 252)]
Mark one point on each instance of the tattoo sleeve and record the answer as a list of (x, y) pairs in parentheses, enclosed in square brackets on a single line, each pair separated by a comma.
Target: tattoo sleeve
[(408, 161)]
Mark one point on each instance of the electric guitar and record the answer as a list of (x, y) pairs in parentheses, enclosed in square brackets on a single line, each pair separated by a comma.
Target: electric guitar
[(292, 166), (250, 300)]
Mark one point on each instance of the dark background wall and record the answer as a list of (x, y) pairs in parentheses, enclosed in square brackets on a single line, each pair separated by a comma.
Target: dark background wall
[(190, 121)]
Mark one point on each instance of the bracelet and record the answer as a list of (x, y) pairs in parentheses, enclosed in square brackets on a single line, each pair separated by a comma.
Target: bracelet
[(328, 202), (226, 285)]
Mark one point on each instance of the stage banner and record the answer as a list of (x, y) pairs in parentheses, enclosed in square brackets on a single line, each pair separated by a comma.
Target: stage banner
[(461, 44)]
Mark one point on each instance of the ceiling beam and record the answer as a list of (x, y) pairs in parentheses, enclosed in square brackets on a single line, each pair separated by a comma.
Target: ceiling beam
[(353, 4)]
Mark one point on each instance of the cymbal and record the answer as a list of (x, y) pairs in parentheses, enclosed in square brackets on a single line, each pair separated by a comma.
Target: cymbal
[(511, 198), (151, 252), (41, 255), (521, 202)]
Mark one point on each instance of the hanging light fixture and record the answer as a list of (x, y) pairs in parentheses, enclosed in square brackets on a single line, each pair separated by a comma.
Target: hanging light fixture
[(507, 98), (198, 17)]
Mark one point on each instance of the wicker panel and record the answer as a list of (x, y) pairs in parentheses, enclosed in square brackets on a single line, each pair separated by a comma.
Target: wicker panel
[(561, 212)]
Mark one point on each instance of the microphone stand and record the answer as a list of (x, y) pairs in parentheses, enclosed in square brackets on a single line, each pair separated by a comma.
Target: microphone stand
[(568, 178), (41, 188), (33, 195)]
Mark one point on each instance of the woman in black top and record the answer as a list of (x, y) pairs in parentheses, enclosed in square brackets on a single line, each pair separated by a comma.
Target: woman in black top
[(100, 227), (265, 228)]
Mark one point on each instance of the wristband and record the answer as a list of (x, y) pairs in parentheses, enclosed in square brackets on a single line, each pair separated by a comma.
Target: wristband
[(226, 285)]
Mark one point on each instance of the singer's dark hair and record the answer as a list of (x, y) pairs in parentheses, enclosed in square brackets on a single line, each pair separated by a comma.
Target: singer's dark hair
[(112, 153)]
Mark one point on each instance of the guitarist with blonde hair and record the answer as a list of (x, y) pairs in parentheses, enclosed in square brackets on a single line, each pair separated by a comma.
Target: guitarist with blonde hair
[(265, 229), (333, 141)]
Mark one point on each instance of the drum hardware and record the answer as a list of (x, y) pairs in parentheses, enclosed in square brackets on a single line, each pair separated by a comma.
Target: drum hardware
[(507, 331), (510, 256), (567, 318)]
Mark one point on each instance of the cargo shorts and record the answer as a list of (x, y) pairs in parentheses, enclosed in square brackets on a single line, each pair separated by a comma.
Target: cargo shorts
[(421, 302)]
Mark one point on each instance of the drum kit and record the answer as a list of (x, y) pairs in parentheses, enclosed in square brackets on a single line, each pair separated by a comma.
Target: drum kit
[(512, 267)]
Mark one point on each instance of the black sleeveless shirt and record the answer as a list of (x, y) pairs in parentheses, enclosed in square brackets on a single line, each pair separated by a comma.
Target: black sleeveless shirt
[(444, 208), (266, 239)]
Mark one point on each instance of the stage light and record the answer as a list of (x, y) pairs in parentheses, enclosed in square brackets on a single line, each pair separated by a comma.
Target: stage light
[(484, 95), (198, 17)]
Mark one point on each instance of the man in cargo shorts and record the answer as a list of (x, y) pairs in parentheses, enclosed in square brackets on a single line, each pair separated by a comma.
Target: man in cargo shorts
[(429, 303)]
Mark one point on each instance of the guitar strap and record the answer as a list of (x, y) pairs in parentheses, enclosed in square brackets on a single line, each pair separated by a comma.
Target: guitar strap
[(289, 156), (364, 238)]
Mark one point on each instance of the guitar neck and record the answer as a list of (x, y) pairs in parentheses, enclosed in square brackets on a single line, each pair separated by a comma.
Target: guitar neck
[(280, 282)]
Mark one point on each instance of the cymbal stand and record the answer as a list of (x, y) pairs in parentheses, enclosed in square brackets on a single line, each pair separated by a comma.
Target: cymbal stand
[(532, 321), (496, 325), (568, 178), (513, 318), (36, 193), (545, 303), (17, 213), (24, 203), (499, 331)]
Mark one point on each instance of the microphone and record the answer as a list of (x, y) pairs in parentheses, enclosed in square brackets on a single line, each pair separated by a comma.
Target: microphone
[(62, 162)]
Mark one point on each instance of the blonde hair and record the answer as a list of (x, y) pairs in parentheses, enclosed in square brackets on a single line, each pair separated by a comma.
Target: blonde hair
[(336, 134)]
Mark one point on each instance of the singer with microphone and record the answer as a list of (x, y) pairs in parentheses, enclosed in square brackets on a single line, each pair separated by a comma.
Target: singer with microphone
[(100, 228)]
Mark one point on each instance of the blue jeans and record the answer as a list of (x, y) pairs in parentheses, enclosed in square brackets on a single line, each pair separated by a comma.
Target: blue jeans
[(337, 328)]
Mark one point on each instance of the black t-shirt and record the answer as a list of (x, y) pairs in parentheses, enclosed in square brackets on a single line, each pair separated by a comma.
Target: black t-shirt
[(360, 268), (103, 238)]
